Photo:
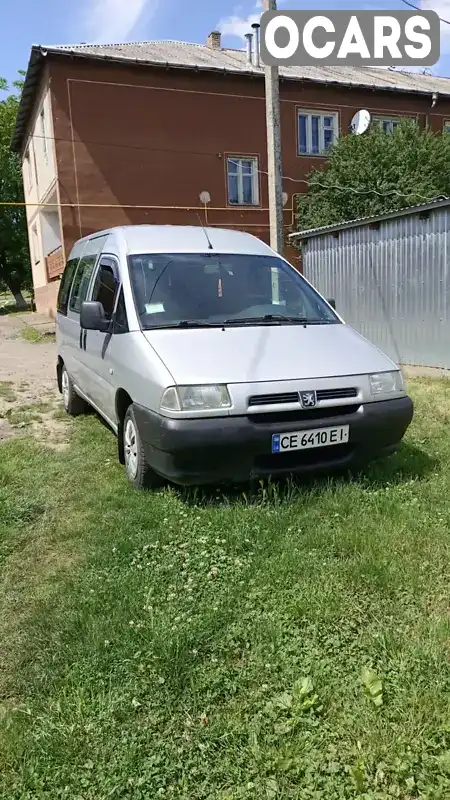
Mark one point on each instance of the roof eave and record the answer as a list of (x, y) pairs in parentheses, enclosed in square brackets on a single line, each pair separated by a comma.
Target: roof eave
[(37, 57), (39, 54), (254, 72)]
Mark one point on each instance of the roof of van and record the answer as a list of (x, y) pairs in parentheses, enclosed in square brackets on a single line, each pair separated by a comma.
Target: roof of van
[(186, 239)]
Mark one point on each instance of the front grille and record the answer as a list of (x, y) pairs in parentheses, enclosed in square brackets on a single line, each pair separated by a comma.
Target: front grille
[(296, 459), (273, 399), (302, 415), (293, 397), (336, 394)]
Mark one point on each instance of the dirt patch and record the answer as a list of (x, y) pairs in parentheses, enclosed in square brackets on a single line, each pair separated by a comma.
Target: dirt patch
[(29, 397), (426, 372), (6, 430)]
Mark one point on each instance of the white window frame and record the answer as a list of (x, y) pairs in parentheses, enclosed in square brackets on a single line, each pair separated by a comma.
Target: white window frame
[(43, 134), (36, 248), (28, 170), (35, 173), (233, 161), (399, 118), (309, 113)]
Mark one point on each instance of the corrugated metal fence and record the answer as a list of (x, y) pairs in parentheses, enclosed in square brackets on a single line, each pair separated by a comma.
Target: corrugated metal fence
[(392, 284)]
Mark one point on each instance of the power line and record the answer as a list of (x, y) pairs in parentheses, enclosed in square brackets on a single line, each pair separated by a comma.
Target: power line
[(351, 189), (125, 146), (230, 160), (240, 208), (411, 5), (354, 190)]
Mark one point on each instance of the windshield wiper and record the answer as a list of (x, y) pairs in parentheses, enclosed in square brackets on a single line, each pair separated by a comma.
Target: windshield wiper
[(277, 319), (187, 323)]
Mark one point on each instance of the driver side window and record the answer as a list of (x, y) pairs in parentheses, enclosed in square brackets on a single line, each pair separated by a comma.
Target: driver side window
[(105, 286)]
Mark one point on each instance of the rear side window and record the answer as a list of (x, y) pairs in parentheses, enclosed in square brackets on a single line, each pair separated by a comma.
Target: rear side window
[(81, 282), (66, 283)]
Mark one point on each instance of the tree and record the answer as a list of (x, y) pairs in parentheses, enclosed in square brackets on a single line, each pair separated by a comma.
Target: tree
[(15, 270), (406, 167)]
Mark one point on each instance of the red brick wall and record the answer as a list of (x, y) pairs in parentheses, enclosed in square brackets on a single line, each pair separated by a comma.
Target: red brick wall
[(158, 137)]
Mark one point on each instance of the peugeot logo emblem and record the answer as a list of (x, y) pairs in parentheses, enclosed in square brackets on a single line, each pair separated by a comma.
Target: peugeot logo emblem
[(308, 399)]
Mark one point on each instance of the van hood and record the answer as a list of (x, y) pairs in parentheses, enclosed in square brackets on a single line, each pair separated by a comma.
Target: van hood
[(266, 353)]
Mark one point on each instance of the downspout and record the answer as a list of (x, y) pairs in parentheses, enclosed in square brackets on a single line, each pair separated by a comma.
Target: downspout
[(434, 99)]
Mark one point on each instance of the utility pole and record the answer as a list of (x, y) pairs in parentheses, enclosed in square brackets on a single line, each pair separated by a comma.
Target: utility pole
[(274, 168)]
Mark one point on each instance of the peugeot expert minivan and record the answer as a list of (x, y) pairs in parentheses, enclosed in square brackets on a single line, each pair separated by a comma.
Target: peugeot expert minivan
[(213, 360)]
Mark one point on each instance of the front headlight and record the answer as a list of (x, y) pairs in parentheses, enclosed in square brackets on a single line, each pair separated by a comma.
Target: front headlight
[(386, 382), (195, 398)]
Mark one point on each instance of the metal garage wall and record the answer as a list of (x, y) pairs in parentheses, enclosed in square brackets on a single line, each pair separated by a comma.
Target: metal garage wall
[(392, 284)]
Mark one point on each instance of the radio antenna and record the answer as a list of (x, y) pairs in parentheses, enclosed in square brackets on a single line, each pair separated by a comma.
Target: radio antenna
[(210, 247)]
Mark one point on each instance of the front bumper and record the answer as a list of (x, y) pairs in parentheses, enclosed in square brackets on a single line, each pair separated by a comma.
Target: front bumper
[(236, 449)]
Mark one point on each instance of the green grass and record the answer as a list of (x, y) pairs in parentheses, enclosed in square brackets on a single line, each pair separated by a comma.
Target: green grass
[(217, 646), (21, 416), (59, 412), (31, 334)]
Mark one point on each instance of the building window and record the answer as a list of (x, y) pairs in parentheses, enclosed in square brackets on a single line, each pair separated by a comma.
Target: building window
[(243, 184), (33, 149), (389, 124), (43, 135), (317, 132), (36, 257), (28, 171)]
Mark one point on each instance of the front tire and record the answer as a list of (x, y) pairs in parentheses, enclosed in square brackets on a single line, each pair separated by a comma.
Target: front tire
[(73, 403), (139, 472)]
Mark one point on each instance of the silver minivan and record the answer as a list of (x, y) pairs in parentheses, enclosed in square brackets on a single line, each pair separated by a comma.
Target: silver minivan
[(214, 360)]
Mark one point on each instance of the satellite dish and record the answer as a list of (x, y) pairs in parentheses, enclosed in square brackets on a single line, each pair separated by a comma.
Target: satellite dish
[(205, 197), (285, 198), (360, 122)]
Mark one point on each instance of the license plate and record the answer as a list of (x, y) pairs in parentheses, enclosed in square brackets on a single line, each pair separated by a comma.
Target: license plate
[(302, 440)]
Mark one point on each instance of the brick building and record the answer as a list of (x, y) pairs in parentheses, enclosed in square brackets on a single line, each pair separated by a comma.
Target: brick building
[(132, 133)]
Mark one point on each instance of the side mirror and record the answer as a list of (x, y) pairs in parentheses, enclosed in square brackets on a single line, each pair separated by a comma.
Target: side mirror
[(92, 316), (332, 303)]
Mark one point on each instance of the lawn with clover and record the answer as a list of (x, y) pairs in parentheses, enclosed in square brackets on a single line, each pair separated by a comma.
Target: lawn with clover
[(284, 641)]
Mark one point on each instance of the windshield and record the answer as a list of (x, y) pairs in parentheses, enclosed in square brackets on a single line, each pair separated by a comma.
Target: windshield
[(193, 289)]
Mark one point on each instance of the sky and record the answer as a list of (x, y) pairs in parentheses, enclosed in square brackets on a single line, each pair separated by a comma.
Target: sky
[(49, 22)]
